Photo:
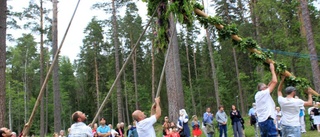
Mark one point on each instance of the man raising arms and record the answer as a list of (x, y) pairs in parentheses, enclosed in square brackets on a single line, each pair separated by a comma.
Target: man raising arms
[(265, 106), (5, 132), (290, 110), (79, 128), (145, 125)]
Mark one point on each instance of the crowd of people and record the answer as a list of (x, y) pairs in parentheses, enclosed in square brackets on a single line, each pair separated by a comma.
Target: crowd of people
[(287, 120)]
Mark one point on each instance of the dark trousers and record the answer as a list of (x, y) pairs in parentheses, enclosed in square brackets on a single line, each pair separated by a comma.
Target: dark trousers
[(279, 132), (223, 130), (268, 129)]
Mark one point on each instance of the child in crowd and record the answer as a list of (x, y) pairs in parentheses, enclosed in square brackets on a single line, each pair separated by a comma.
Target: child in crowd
[(278, 125), (196, 126)]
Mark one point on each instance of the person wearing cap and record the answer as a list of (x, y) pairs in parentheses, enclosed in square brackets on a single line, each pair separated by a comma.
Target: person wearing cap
[(291, 109), (265, 106), (252, 114), (145, 125)]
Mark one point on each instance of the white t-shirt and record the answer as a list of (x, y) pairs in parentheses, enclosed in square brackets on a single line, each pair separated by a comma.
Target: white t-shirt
[(80, 129), (309, 110), (145, 127), (113, 133), (290, 110), (276, 113), (264, 105)]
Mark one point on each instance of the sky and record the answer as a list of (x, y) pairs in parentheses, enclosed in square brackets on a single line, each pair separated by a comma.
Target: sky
[(84, 14)]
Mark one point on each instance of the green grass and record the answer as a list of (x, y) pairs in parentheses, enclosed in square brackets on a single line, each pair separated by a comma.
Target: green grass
[(249, 130)]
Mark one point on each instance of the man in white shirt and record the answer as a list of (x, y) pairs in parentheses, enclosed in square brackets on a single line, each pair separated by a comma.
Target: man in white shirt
[(145, 125), (290, 110), (79, 128), (265, 106)]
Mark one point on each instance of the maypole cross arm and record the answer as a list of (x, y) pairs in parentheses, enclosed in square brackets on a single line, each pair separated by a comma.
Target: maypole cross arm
[(248, 44)]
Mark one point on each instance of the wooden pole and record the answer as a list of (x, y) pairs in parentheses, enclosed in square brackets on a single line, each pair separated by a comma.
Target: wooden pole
[(238, 38), (122, 68), (29, 123)]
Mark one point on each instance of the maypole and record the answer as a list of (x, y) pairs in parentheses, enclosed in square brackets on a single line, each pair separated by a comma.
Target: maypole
[(248, 44)]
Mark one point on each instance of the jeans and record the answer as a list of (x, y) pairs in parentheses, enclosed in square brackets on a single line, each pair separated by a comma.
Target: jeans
[(237, 129), (223, 128), (291, 131), (268, 129), (256, 130)]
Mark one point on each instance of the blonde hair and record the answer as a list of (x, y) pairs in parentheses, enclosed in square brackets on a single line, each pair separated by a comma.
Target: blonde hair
[(55, 134), (194, 117)]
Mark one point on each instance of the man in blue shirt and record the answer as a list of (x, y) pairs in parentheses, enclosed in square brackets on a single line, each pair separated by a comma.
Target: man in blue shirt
[(253, 119), (252, 111), (103, 130), (207, 120)]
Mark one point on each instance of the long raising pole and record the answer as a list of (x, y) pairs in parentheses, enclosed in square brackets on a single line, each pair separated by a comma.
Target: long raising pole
[(165, 63), (122, 68), (29, 123)]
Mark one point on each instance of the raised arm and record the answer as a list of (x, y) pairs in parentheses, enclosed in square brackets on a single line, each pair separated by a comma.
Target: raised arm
[(309, 102), (281, 85), (272, 84), (157, 109)]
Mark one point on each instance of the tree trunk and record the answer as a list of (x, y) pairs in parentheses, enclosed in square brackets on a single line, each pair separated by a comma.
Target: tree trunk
[(112, 108), (239, 82), (302, 29), (196, 74), (134, 63), (116, 50), (241, 9), (213, 70), (42, 127), (97, 77), (255, 19), (10, 108), (255, 22), (56, 85), (311, 45), (25, 87), (3, 33), (47, 102), (173, 74), (126, 97), (189, 76), (153, 71), (195, 64)]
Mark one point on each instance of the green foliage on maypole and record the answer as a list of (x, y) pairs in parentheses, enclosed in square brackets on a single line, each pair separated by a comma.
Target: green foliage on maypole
[(182, 9), (226, 31)]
